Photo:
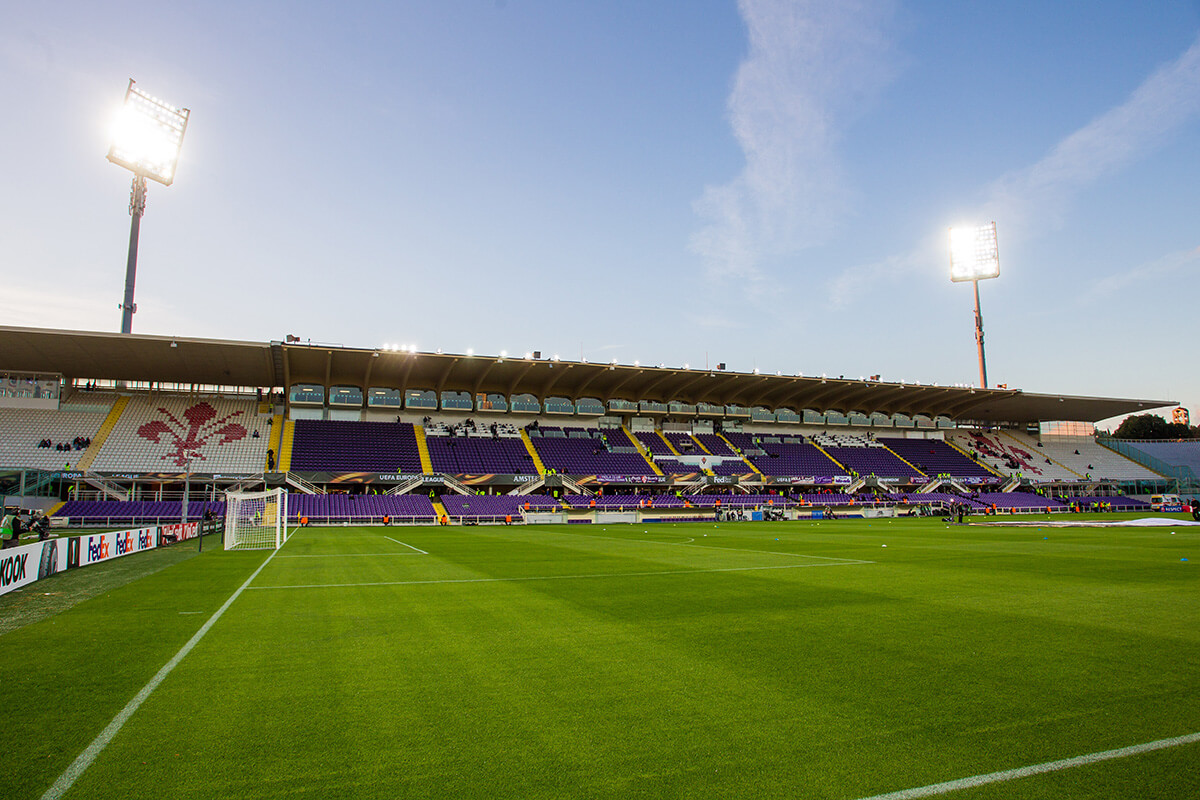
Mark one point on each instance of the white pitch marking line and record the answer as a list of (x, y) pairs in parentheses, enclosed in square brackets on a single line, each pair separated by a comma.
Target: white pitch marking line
[(1036, 769), (85, 759), (556, 577), (715, 547), (397, 541), (352, 555)]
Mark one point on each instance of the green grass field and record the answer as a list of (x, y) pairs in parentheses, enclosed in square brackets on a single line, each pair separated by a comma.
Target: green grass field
[(740, 660)]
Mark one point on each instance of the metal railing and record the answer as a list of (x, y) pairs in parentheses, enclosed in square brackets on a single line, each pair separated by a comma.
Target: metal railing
[(1129, 449), (343, 519), (116, 521), (100, 521)]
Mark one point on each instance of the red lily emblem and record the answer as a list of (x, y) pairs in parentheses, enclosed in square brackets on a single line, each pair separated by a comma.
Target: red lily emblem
[(202, 429)]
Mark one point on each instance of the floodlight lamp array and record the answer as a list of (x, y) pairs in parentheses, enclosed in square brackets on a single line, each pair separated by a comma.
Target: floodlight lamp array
[(974, 254), (148, 135)]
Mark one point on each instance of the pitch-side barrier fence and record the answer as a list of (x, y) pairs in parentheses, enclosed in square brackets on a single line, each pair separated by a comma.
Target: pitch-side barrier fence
[(517, 519), (115, 521), (119, 521), (40, 558)]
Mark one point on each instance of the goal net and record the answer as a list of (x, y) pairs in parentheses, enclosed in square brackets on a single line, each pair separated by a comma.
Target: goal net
[(255, 520)]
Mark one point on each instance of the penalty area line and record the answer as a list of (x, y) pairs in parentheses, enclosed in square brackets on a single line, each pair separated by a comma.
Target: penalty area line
[(397, 541), (1036, 769), (85, 759), (352, 555)]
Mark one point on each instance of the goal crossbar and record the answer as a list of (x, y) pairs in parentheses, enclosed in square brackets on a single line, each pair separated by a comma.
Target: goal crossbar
[(256, 520)]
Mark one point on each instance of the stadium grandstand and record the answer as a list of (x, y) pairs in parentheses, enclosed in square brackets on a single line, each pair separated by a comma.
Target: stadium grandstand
[(108, 429)]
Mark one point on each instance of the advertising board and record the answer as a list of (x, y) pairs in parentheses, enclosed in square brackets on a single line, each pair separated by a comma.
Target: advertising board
[(97, 547), (21, 566)]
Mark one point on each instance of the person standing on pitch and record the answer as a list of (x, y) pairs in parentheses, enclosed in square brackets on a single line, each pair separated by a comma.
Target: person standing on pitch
[(9, 529), (41, 524)]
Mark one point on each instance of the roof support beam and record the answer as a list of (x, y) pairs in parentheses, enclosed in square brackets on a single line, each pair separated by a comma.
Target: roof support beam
[(611, 393), (751, 389), (441, 379), (586, 382), (366, 379), (678, 391), (517, 378), (404, 373), (552, 379), (480, 379)]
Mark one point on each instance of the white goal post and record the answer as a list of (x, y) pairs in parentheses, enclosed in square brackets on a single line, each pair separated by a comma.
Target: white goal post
[(256, 520)]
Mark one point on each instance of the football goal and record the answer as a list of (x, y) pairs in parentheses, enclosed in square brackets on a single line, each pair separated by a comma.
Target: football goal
[(255, 520)]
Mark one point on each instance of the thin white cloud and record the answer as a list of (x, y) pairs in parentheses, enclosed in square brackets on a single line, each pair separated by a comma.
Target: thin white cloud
[(712, 320), (810, 65), (852, 280), (1033, 200), (1156, 273), (89, 309), (26, 306), (1037, 197)]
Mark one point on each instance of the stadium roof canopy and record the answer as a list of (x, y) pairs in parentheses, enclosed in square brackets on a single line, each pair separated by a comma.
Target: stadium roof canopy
[(172, 359)]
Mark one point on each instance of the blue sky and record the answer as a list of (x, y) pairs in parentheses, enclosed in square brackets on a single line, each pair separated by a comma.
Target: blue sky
[(765, 183)]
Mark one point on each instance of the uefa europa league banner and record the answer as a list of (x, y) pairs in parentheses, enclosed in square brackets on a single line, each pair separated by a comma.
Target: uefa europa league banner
[(21, 566)]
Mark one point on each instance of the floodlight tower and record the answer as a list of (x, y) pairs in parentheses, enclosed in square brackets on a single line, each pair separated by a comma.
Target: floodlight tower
[(146, 140), (974, 256)]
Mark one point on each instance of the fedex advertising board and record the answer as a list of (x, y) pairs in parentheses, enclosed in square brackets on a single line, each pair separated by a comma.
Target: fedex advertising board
[(98, 547)]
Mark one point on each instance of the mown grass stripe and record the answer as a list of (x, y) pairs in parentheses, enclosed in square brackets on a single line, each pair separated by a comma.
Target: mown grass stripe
[(711, 547), (554, 577), (85, 759)]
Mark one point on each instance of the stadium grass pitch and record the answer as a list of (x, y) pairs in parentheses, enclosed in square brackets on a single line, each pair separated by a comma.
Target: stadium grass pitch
[(739, 660)]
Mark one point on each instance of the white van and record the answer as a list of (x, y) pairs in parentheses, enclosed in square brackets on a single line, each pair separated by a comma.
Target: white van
[(1166, 502)]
